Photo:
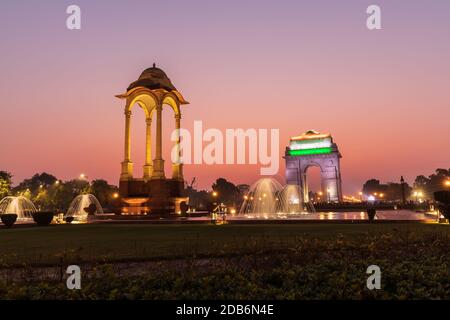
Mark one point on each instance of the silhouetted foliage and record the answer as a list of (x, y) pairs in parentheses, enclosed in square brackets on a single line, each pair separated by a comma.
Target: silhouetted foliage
[(5, 184), (432, 183), (227, 192)]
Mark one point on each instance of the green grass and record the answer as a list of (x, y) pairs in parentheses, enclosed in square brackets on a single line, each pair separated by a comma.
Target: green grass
[(302, 261), (101, 242)]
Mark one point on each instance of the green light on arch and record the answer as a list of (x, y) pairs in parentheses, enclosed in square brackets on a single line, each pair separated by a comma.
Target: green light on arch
[(306, 152)]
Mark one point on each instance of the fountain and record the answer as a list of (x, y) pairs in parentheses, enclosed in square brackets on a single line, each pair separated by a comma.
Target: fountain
[(290, 199), (268, 199), (21, 206), (83, 206), (262, 198)]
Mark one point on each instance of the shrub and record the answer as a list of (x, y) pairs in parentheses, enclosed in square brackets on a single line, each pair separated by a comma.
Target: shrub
[(43, 218), (9, 219)]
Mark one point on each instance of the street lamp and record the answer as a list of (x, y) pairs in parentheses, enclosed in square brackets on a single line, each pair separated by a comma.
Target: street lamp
[(115, 195), (418, 194), (447, 183)]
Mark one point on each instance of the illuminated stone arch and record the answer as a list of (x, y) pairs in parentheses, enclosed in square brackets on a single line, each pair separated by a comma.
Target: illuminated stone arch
[(314, 149)]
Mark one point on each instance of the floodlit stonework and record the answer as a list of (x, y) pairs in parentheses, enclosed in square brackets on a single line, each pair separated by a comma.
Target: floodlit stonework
[(153, 192), (314, 149)]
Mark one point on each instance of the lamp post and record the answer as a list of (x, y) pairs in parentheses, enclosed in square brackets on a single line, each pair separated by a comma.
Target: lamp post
[(418, 195), (402, 182), (360, 196), (215, 194)]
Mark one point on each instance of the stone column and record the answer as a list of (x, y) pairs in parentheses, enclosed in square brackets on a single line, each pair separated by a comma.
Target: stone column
[(177, 166), (148, 166), (127, 165), (158, 163)]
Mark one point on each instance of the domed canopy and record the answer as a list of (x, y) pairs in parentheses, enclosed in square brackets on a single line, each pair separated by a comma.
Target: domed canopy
[(153, 78)]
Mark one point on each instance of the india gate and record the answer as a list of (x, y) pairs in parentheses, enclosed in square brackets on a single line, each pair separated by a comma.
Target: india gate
[(314, 149), (153, 192)]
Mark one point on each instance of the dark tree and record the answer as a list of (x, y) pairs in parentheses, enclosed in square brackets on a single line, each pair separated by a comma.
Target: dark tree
[(5, 184), (38, 181), (227, 192), (103, 191)]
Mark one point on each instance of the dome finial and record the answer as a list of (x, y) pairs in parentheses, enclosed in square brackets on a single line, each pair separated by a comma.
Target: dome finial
[(154, 65)]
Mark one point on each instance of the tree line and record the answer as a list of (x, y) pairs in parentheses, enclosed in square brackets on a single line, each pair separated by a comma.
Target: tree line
[(49, 193), (423, 185)]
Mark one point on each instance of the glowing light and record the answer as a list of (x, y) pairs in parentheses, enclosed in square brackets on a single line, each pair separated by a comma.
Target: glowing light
[(305, 152), (371, 198), (310, 144), (447, 183), (310, 136), (115, 195), (360, 193), (214, 194)]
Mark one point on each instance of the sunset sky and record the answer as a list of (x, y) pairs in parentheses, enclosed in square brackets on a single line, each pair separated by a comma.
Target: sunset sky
[(384, 95)]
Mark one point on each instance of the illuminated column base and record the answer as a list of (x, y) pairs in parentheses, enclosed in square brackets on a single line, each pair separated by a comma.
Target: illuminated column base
[(148, 171), (177, 171), (127, 170), (158, 169)]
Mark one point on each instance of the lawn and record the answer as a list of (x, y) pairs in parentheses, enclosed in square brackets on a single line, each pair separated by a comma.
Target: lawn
[(102, 242), (295, 261)]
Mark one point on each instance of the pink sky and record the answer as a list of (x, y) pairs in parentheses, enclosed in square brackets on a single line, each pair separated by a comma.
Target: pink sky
[(293, 65)]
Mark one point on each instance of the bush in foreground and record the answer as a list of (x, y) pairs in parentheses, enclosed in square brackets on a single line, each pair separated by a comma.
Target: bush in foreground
[(412, 267)]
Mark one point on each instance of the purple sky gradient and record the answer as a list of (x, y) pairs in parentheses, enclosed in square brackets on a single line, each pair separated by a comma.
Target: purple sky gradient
[(293, 65)]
